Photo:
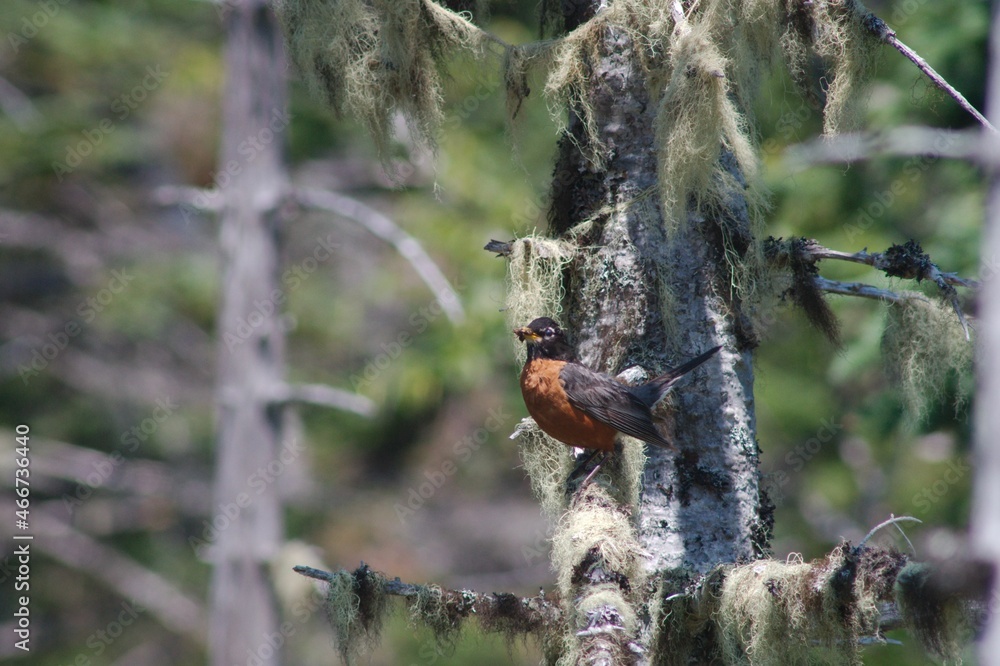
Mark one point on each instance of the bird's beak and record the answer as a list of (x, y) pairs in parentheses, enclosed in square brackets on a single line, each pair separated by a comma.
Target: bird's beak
[(526, 334)]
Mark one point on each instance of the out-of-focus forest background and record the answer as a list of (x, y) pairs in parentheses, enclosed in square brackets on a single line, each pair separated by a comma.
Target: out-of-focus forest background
[(108, 299)]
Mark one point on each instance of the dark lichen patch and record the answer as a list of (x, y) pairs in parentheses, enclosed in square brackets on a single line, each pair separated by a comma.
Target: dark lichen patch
[(941, 620)]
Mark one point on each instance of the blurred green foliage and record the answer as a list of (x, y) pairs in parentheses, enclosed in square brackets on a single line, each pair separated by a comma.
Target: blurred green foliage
[(88, 63)]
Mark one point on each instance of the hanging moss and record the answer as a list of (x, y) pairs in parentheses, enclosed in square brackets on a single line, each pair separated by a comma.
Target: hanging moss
[(373, 58), (941, 623), (356, 606), (548, 464), (429, 609), (596, 531), (776, 613), (535, 282), (922, 348), (832, 31)]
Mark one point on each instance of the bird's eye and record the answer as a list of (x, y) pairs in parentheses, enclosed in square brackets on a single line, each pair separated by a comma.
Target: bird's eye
[(549, 332)]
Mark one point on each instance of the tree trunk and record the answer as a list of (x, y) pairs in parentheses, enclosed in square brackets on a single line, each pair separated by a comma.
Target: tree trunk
[(642, 292), (985, 529), (248, 523), (653, 297)]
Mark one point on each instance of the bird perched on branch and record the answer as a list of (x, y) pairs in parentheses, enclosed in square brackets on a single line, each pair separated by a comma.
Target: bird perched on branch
[(581, 407)]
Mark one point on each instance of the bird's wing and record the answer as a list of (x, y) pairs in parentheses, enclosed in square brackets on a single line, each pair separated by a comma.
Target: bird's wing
[(611, 403)]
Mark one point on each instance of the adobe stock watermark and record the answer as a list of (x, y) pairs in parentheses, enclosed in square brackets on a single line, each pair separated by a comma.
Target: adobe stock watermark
[(461, 451), (538, 548), (418, 322), (30, 26), (257, 484), (122, 107), (271, 643), (787, 127), (887, 198), (931, 494), (291, 279), (101, 640), (131, 439), (88, 309), (796, 459)]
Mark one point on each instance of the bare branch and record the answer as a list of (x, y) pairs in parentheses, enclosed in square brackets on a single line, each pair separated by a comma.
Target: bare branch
[(18, 106), (383, 227), (893, 520), (325, 396), (906, 261), (901, 141), (878, 27), (859, 289), (208, 200), (173, 608)]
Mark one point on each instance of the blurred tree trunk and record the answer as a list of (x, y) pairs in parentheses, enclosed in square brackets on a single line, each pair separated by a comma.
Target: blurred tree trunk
[(252, 178), (985, 517)]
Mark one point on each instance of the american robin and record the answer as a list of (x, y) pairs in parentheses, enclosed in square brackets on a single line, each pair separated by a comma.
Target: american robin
[(583, 408)]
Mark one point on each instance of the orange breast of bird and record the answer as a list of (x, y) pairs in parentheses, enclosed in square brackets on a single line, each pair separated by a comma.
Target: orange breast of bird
[(547, 403)]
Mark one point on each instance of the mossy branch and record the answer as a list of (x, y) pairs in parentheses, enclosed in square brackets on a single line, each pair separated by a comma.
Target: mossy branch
[(772, 612), (357, 604), (906, 261)]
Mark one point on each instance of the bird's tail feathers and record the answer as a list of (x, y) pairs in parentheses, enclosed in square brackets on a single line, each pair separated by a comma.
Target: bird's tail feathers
[(654, 390)]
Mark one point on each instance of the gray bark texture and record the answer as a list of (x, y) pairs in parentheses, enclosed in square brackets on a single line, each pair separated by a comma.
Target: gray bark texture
[(251, 351), (652, 297), (704, 511)]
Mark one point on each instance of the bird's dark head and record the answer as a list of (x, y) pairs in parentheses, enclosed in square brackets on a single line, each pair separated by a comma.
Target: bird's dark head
[(544, 339)]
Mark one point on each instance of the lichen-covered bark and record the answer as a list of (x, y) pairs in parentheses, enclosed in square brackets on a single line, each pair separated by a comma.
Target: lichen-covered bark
[(640, 294)]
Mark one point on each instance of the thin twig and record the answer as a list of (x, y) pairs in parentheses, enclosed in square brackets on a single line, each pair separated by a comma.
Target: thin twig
[(892, 521), (879, 28), (383, 227), (906, 538), (861, 290)]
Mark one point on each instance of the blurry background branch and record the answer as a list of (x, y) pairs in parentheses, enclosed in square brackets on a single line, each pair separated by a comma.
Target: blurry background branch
[(382, 226), (173, 608)]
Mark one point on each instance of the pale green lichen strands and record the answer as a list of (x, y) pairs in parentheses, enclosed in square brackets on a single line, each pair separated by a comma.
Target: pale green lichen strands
[(835, 31), (535, 287), (924, 346), (715, 62), (428, 609), (372, 58), (356, 605), (568, 84), (780, 614), (548, 463), (596, 531)]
